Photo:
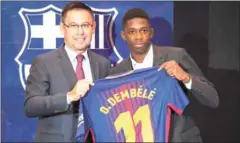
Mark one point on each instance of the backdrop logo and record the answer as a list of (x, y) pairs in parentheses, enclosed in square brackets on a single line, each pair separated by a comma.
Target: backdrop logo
[(42, 34)]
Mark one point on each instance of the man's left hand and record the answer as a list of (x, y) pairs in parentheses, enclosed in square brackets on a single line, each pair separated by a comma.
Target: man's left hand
[(173, 69)]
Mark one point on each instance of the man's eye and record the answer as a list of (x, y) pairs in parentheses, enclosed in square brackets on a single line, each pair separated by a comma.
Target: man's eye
[(74, 26), (130, 32), (145, 31), (85, 25)]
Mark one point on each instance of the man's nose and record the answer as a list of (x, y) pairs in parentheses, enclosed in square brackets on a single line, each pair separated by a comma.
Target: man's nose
[(80, 30), (139, 35)]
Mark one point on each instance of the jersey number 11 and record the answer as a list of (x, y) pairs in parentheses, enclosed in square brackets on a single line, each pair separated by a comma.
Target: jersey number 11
[(127, 122)]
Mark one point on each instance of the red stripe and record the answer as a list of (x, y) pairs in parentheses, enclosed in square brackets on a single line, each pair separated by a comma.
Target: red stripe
[(138, 100), (116, 109), (151, 105), (114, 114), (134, 100), (118, 90), (123, 88), (121, 109), (93, 136), (85, 137), (151, 123), (179, 111), (176, 109), (129, 108), (168, 118), (109, 114), (140, 137)]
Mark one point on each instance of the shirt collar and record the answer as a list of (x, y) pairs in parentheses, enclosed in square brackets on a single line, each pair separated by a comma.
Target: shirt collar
[(146, 58), (72, 54)]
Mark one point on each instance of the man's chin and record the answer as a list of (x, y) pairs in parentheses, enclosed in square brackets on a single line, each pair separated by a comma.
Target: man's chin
[(139, 50), (78, 48)]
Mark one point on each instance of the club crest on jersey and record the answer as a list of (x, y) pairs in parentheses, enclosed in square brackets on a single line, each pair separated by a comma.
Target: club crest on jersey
[(42, 34)]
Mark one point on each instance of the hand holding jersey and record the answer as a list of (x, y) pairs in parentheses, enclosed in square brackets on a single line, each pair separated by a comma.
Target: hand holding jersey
[(79, 90), (173, 69)]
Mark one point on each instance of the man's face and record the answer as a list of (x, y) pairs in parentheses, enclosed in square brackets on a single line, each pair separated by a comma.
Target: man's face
[(137, 32), (78, 27)]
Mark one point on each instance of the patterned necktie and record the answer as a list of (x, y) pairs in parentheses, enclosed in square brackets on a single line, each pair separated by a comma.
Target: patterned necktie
[(79, 69)]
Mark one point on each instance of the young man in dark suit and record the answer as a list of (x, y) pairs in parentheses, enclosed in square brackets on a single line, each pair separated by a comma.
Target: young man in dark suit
[(137, 32), (58, 79)]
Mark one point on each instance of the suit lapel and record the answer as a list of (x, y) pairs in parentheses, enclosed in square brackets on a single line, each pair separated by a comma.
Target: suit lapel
[(66, 67), (127, 65), (94, 65), (158, 58)]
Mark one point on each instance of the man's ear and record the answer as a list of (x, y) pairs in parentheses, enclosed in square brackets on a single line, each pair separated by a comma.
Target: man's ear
[(94, 27), (62, 28), (152, 32), (123, 35)]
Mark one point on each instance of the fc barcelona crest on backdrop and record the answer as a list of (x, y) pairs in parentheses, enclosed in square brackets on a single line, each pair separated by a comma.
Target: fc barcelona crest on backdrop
[(42, 34)]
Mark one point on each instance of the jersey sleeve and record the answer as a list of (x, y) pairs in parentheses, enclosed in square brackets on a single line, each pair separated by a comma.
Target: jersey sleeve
[(177, 99)]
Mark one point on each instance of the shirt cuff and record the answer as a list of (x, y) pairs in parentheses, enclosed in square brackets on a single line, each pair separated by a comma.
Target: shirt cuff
[(68, 100), (189, 84)]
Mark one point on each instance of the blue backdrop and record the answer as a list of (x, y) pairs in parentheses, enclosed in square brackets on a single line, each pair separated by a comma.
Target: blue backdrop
[(30, 28)]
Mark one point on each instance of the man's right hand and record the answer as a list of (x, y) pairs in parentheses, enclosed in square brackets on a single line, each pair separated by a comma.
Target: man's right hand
[(79, 90)]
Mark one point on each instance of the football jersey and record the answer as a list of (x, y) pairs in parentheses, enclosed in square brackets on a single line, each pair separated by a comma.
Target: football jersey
[(131, 107)]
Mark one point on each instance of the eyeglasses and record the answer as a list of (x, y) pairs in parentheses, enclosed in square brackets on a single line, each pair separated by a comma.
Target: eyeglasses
[(74, 26)]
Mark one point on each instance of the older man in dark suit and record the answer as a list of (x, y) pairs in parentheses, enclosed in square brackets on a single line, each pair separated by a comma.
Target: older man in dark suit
[(137, 32), (58, 79)]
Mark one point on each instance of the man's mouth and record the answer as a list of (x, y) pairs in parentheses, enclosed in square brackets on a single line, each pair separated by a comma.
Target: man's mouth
[(139, 44), (79, 39)]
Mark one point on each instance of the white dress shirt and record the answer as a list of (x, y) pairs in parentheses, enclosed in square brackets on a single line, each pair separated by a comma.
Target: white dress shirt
[(72, 55), (148, 62)]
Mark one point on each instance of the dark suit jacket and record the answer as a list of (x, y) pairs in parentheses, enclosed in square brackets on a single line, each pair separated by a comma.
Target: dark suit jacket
[(183, 128), (51, 77)]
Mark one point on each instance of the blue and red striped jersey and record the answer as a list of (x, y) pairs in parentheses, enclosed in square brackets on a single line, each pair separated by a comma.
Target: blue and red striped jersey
[(134, 107)]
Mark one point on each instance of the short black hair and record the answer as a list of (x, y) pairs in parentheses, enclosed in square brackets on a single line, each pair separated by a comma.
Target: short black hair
[(135, 13), (75, 5)]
